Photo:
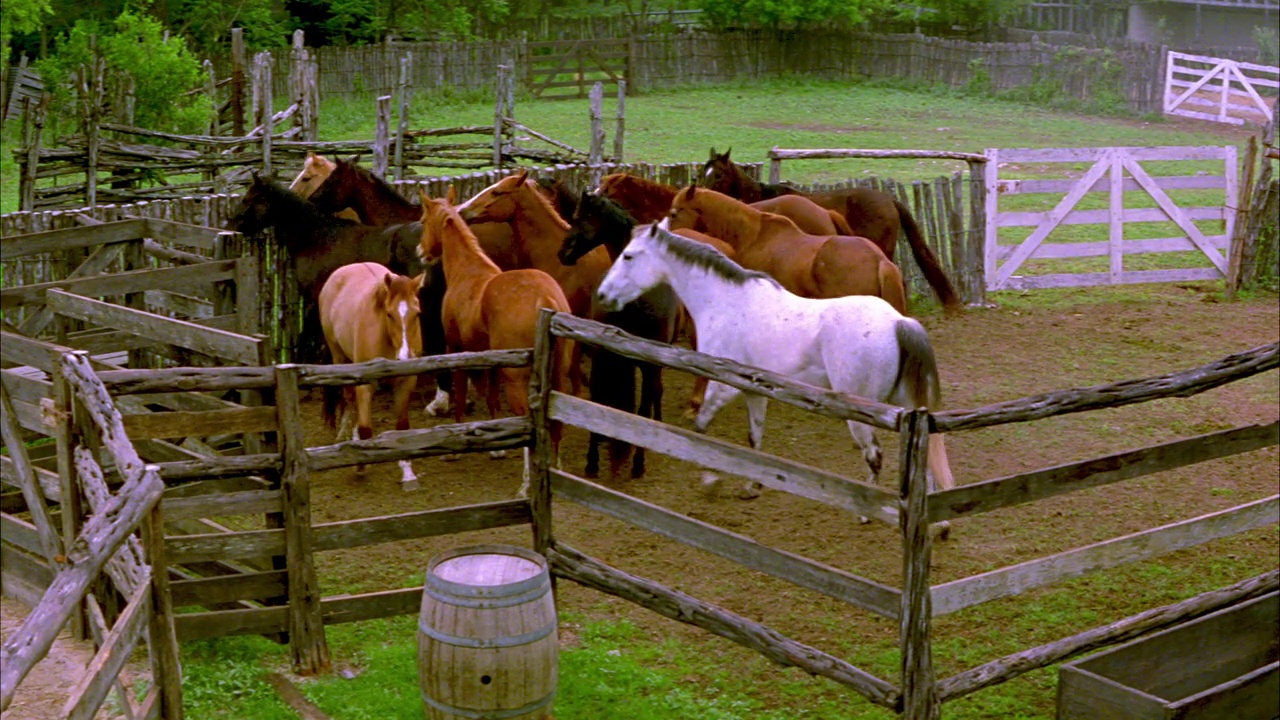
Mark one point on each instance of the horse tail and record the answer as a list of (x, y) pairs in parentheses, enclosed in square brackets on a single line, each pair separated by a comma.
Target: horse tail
[(918, 376), (892, 289), (927, 261), (841, 224), (613, 384)]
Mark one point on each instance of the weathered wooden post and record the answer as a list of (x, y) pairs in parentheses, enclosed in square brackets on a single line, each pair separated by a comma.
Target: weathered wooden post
[(27, 183), (237, 82), (1239, 236), (380, 136), (166, 668), (919, 692), (500, 112), (404, 90), (266, 107), (211, 91), (92, 88), (595, 155), (622, 121), (539, 469)]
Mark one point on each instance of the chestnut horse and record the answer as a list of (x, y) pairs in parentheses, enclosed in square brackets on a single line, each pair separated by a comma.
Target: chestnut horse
[(487, 308), (649, 201), (808, 265), (315, 168), (367, 312), (875, 215)]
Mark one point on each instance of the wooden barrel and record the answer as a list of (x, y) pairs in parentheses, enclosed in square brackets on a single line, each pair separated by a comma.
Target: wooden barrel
[(487, 641)]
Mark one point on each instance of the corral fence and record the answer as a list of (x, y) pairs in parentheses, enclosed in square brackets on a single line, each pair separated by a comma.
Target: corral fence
[(1220, 89), (276, 590)]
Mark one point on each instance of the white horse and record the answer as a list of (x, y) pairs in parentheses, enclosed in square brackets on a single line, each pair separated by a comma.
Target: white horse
[(856, 344)]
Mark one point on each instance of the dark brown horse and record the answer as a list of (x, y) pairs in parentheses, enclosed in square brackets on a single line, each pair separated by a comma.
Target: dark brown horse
[(875, 215)]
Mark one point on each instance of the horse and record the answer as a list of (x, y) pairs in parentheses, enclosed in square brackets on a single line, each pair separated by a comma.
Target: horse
[(318, 243), (315, 168), (367, 312), (598, 221), (858, 345), (808, 265), (487, 308), (649, 201), (875, 215)]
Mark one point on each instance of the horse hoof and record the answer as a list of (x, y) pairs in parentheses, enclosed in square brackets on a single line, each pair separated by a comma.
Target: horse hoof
[(497, 454), (409, 486), (750, 492), (863, 519), (691, 413), (710, 484), (591, 474)]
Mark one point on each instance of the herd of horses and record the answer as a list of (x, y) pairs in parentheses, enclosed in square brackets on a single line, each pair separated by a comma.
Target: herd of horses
[(803, 285)]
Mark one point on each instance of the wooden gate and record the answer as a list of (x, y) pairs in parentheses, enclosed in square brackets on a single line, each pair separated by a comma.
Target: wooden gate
[(1114, 171), (568, 68), (1220, 90)]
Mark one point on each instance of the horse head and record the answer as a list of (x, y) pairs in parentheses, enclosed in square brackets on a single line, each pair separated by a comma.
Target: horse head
[(253, 215), (335, 190), (719, 172), (596, 221), (686, 212), (396, 301), (314, 171), (496, 203), (637, 270)]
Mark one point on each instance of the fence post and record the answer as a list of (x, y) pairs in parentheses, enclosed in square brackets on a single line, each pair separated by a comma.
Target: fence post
[(500, 112), (91, 89), (380, 136), (404, 90), (166, 668), (919, 692), (211, 90), (595, 156), (27, 185), (298, 84), (539, 480), (266, 107), (622, 121), (237, 82), (307, 646), (986, 206), (775, 168)]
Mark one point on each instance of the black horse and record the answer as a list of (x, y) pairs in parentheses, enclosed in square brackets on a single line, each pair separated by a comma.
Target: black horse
[(596, 221)]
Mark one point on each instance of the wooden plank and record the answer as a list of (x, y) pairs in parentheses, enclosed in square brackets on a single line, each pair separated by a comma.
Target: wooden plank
[(200, 424), (166, 668), (1095, 217), (22, 575), (774, 472), (16, 246), (915, 633), (796, 569), (569, 563), (101, 674), (35, 323), (1014, 490), (190, 307), (221, 623), (218, 343), (381, 368), (211, 591), (292, 696), (1184, 383), (537, 486), (176, 279), (734, 374), (1017, 579), (247, 544), (29, 417), (371, 606), (1057, 280), (343, 534), (247, 502), (198, 236), (186, 379), (1093, 154), (1175, 213), (1019, 186), (27, 389), (102, 341), (393, 446), (38, 354), (1060, 250), (21, 534)]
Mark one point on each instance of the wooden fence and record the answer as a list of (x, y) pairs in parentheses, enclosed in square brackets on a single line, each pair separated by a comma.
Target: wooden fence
[(278, 561), (1220, 89)]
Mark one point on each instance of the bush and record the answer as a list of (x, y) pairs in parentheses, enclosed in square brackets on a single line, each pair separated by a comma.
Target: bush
[(162, 70)]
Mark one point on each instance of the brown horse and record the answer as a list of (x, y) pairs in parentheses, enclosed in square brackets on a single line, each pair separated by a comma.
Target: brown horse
[(539, 232), (875, 215), (314, 171), (808, 265), (367, 312), (649, 201), (486, 308)]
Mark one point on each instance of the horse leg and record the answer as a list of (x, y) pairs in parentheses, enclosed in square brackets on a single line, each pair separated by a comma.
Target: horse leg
[(439, 404), (865, 437), (459, 383), (757, 405), (487, 384), (364, 419), (718, 395), (940, 477), (699, 393), (650, 407), (404, 390)]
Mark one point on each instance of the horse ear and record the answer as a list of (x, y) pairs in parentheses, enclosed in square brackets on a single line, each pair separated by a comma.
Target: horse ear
[(523, 175), (714, 155), (353, 160), (726, 153), (384, 290), (422, 196), (419, 281), (692, 190), (451, 196)]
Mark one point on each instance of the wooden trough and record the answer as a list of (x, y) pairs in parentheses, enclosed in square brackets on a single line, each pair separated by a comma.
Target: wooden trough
[(1225, 665)]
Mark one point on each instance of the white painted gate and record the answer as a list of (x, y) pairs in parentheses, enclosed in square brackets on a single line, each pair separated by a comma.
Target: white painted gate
[(1115, 172), (1220, 90)]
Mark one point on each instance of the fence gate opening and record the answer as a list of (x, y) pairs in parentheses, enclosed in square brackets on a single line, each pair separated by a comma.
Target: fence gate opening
[(1219, 89), (568, 68), (1187, 192)]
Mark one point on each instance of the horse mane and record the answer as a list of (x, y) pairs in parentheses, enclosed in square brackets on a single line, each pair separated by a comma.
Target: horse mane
[(610, 210), (532, 189), (650, 185), (706, 257), (287, 204), (378, 183), (469, 239)]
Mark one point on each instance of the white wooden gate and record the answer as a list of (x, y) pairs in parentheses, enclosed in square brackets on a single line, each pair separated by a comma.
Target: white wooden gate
[(1114, 171), (1220, 90)]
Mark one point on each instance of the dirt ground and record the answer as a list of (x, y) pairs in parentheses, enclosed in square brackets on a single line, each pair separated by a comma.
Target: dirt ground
[(1081, 338)]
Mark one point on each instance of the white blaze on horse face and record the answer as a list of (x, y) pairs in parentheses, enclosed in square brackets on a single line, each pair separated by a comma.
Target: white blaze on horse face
[(404, 353)]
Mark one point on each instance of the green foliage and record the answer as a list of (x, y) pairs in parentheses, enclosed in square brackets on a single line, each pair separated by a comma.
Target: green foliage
[(1268, 42), (208, 23), (788, 13), (134, 43), (22, 16), (447, 19), (972, 13)]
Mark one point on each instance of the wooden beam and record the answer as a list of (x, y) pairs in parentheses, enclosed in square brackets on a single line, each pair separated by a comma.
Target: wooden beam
[(795, 569), (393, 446), (200, 424), (198, 236), (218, 343), (344, 534), (74, 237), (91, 691), (178, 279), (915, 634), (246, 502), (1016, 579), (1014, 490), (774, 472), (50, 542)]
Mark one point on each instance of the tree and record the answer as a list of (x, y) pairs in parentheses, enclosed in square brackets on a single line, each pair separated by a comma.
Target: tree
[(757, 13), (22, 16), (208, 23)]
